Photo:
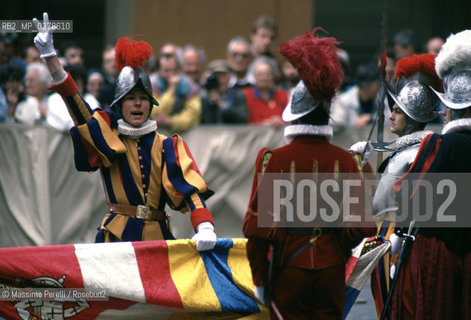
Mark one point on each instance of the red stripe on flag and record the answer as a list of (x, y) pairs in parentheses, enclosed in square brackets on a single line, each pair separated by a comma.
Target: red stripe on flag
[(350, 265), (51, 262), (154, 269), (48, 267)]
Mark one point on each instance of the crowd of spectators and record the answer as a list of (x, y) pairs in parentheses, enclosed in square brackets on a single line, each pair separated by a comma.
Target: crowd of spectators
[(248, 86)]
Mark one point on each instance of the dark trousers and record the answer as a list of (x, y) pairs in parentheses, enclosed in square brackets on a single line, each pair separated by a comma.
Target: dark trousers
[(309, 294)]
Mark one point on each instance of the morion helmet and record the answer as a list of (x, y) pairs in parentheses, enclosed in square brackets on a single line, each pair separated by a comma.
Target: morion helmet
[(453, 65), (130, 56), (320, 71), (415, 77)]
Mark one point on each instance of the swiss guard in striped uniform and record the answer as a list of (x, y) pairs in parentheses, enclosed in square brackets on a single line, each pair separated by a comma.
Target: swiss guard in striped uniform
[(142, 171)]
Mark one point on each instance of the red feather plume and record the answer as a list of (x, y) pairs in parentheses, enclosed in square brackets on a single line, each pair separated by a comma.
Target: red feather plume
[(423, 63), (131, 53), (317, 63)]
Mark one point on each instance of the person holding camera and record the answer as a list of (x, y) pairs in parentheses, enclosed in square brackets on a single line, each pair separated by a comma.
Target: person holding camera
[(221, 103)]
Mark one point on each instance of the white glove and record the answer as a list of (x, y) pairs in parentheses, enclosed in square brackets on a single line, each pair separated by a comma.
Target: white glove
[(360, 147), (205, 236), (43, 40), (392, 271), (259, 292), (396, 243)]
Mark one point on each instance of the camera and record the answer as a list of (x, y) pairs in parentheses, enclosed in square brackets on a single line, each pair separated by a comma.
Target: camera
[(212, 82)]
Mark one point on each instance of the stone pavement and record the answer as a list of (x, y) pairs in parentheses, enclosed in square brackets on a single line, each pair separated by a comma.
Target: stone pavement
[(364, 308)]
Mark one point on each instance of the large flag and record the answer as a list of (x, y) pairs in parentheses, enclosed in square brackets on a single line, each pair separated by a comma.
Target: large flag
[(128, 280), (360, 266)]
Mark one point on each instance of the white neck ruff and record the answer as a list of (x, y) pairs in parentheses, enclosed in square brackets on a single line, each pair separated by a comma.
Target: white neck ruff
[(413, 138), (295, 130), (457, 125), (136, 132)]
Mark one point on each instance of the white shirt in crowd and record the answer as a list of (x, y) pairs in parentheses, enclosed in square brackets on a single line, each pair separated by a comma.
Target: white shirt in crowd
[(27, 111), (58, 116)]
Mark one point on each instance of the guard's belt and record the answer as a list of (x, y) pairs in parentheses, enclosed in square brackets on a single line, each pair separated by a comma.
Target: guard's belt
[(140, 211)]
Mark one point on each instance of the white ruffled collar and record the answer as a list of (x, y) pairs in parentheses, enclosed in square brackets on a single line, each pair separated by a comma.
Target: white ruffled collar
[(295, 130), (457, 125), (136, 132), (412, 138)]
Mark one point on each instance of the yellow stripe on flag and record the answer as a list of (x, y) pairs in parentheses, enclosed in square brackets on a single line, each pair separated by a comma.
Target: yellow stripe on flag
[(240, 267), (189, 275), (242, 276)]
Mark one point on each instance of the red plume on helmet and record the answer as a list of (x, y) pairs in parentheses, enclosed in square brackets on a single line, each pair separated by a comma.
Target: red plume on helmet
[(131, 53), (423, 63), (317, 63)]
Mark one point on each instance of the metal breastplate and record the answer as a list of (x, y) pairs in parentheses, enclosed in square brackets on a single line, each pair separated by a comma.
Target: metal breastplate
[(384, 199)]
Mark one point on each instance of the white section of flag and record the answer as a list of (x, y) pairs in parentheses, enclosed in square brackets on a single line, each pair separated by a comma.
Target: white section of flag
[(365, 265), (111, 267)]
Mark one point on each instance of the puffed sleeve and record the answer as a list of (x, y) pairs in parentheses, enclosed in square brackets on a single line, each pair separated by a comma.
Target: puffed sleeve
[(96, 141), (183, 181)]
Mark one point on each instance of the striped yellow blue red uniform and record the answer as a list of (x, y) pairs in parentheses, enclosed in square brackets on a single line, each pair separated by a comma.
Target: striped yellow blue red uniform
[(153, 170)]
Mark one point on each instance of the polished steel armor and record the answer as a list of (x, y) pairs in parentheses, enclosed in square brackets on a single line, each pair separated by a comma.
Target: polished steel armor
[(300, 104), (418, 101), (457, 90), (385, 199), (128, 78)]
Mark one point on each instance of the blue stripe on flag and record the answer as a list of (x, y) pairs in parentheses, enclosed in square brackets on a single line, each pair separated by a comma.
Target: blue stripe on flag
[(351, 295), (229, 295)]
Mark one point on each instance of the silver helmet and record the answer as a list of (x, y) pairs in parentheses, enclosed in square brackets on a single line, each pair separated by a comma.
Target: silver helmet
[(128, 78), (418, 101), (300, 104), (457, 87)]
